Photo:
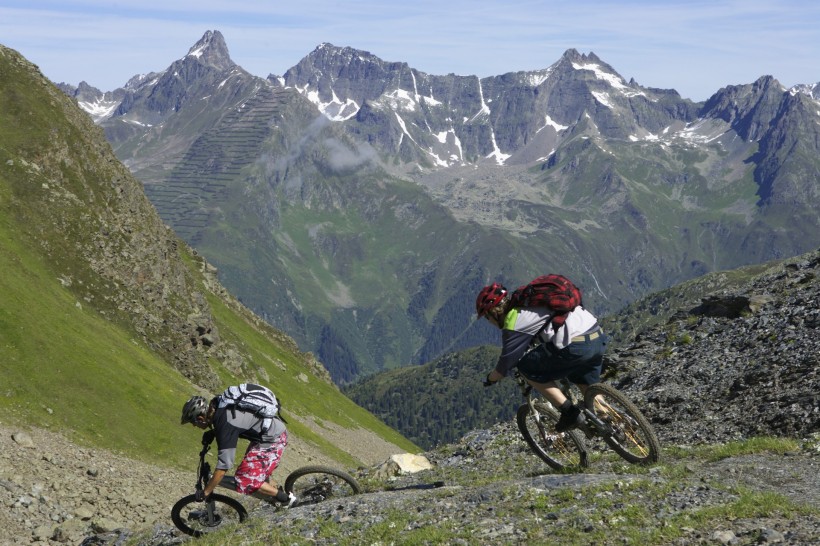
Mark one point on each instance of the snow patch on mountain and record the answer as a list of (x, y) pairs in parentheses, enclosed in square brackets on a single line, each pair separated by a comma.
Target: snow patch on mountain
[(335, 109), (612, 79), (537, 78), (810, 90), (198, 51), (603, 98), (400, 100), (99, 109), (549, 122)]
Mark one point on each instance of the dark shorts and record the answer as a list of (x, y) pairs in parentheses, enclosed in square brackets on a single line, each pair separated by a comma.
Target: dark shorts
[(580, 362)]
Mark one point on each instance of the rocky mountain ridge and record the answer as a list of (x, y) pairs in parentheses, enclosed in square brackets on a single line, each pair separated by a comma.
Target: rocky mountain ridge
[(315, 193)]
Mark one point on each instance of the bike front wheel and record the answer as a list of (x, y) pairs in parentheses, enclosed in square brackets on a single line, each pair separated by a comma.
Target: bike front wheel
[(630, 435), (561, 450), (313, 484), (197, 518)]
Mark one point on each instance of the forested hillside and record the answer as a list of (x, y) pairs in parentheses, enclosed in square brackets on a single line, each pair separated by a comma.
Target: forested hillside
[(436, 403)]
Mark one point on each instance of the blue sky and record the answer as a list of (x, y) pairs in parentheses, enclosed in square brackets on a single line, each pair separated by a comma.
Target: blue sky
[(693, 46)]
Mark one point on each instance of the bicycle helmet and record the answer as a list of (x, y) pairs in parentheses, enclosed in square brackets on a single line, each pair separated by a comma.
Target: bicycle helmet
[(193, 408), (489, 297)]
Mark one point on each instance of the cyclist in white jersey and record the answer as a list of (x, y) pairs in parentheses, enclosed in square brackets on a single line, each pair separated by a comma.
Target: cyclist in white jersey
[(543, 354)]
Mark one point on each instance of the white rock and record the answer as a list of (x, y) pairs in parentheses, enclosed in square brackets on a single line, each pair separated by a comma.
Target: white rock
[(410, 464)]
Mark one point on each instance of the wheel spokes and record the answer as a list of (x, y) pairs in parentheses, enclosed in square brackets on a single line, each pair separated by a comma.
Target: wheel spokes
[(625, 430)]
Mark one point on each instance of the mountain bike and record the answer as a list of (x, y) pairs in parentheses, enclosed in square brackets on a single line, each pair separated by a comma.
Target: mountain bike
[(608, 415), (310, 484)]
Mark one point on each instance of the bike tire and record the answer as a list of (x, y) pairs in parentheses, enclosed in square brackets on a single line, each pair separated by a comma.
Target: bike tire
[(561, 450), (634, 438), (314, 484), (192, 517)]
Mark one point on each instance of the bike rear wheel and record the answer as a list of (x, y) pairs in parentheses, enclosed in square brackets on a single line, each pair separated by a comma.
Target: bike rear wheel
[(632, 437), (560, 450), (197, 518), (313, 484)]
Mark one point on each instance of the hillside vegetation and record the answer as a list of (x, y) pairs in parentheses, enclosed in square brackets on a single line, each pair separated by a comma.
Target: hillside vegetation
[(109, 322), (717, 349)]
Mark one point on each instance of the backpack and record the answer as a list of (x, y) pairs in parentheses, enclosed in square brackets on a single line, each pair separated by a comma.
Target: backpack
[(556, 292), (254, 399)]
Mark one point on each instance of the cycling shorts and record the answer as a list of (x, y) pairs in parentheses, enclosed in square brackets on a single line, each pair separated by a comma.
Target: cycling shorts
[(258, 464), (580, 362)]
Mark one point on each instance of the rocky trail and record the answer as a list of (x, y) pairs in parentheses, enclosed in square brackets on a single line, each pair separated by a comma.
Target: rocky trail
[(54, 492)]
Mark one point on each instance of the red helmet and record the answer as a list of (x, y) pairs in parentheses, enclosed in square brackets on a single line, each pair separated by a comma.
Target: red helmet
[(489, 297)]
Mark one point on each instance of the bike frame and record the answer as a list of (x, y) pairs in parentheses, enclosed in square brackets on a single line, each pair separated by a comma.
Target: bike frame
[(592, 426)]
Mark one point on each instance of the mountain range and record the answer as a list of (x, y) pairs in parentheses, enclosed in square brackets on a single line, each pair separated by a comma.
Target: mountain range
[(359, 204)]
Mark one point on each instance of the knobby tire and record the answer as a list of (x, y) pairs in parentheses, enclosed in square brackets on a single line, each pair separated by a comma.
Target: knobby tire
[(191, 516), (634, 438), (313, 484), (560, 450)]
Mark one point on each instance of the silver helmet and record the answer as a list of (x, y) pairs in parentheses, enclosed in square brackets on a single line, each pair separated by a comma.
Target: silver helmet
[(193, 408)]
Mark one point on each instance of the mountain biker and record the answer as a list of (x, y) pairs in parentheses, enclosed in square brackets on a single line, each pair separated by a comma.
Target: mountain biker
[(261, 457), (542, 354)]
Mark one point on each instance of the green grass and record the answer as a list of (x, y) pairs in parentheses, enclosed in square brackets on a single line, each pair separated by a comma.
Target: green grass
[(65, 367), (68, 368), (716, 452)]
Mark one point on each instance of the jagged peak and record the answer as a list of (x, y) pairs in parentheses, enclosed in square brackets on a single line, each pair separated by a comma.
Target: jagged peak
[(212, 50), (573, 60), (85, 87), (347, 53), (732, 93), (140, 79), (768, 83), (573, 55)]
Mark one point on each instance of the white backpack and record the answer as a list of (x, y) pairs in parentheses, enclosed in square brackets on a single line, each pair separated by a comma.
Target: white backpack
[(252, 398)]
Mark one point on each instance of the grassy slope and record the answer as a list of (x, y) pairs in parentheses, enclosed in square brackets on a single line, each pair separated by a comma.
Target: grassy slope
[(66, 367), (64, 364)]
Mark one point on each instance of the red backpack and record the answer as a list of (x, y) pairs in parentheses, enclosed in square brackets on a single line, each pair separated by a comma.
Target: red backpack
[(553, 291)]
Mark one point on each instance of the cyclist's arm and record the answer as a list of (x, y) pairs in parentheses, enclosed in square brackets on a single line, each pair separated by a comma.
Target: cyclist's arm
[(214, 481), (514, 345), (227, 438)]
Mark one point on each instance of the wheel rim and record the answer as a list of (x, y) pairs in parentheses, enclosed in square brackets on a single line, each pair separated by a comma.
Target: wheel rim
[(320, 486), (558, 446), (196, 518), (628, 437)]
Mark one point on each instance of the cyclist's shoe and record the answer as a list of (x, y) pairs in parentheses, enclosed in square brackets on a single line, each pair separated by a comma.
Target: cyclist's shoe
[(292, 500), (570, 418)]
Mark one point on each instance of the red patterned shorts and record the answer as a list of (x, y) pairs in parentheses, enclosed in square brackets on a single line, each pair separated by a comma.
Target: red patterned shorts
[(258, 464)]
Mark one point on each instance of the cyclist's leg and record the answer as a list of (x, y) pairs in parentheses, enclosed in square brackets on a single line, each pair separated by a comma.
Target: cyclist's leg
[(543, 367), (550, 390), (257, 466)]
